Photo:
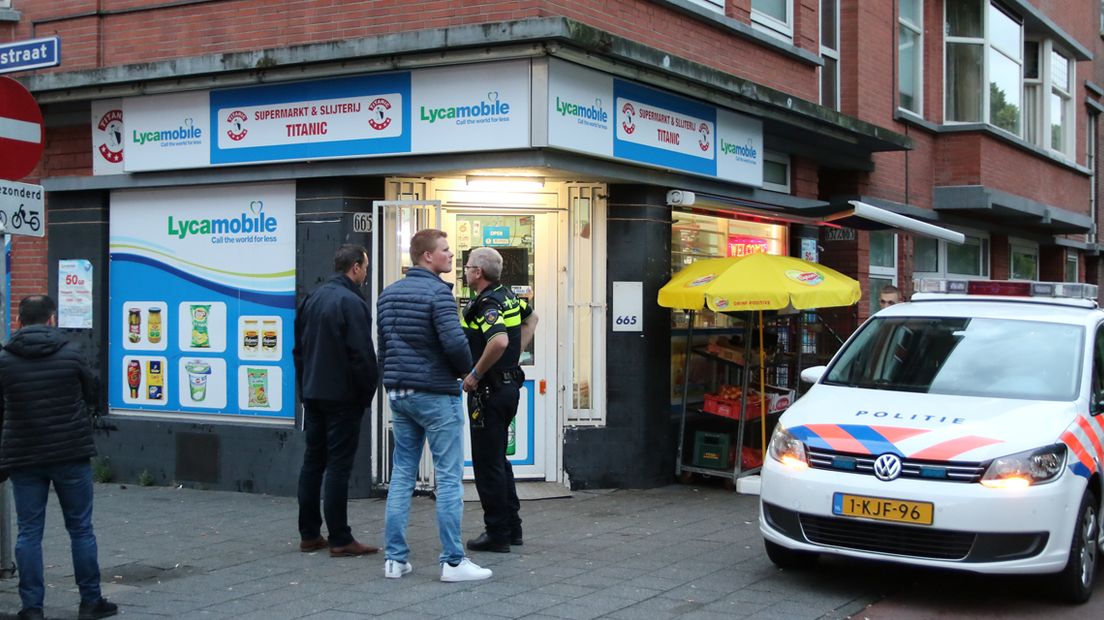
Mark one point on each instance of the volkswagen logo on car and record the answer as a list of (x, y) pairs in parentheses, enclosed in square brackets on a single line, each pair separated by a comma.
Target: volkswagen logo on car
[(887, 467)]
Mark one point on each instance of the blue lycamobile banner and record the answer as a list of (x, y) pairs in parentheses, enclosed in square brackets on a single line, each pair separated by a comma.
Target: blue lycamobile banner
[(203, 300)]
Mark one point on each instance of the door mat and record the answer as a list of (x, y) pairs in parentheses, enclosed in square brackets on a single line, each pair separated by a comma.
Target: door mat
[(525, 490)]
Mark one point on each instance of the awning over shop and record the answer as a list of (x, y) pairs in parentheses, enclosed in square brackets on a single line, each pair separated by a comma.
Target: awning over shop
[(854, 214), (978, 201)]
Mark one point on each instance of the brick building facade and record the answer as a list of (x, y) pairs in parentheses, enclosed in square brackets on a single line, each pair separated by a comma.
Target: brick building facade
[(1013, 166)]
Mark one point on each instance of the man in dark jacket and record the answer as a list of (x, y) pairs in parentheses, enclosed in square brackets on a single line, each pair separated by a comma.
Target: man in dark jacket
[(336, 375), (46, 396), (423, 354)]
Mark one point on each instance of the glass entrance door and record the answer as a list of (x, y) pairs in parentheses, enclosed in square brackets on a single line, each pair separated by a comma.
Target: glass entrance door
[(527, 243)]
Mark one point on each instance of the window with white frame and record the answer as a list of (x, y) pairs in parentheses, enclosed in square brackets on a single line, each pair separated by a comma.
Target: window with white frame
[(587, 295), (774, 17), (1072, 270), (829, 54), (910, 55), (939, 259), (776, 172), (883, 264), (984, 46), (1023, 260), (1060, 103), (713, 5)]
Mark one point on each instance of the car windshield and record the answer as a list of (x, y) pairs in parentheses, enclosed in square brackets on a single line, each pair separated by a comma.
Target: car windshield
[(999, 358)]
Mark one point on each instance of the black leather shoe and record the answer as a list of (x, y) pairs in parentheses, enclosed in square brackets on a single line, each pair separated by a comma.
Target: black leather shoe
[(485, 543), (515, 537), (31, 613), (99, 609)]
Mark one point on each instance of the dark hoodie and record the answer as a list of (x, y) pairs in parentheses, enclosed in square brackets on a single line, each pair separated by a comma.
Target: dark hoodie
[(46, 394)]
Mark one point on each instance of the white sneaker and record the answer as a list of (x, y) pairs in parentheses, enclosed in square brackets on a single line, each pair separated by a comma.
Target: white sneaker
[(466, 570), (394, 569)]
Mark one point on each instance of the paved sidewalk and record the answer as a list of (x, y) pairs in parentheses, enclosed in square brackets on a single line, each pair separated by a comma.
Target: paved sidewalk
[(679, 551)]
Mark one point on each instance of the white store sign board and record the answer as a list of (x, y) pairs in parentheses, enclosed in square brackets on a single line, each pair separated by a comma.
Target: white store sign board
[(167, 132), (628, 306), (107, 136)]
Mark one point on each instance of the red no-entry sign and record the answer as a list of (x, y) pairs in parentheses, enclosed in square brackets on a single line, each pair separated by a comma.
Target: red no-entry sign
[(22, 132)]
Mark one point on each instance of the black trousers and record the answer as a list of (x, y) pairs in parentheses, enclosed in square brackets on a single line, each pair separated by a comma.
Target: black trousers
[(494, 477), (333, 432)]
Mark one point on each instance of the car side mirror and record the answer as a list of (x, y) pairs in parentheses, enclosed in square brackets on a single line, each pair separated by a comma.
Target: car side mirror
[(813, 374)]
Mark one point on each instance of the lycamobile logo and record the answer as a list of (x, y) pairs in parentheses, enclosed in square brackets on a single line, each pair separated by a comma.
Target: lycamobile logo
[(747, 151), (186, 131), (253, 222), (491, 107), (592, 112)]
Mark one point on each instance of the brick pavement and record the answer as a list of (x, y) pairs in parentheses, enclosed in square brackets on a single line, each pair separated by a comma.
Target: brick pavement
[(679, 551)]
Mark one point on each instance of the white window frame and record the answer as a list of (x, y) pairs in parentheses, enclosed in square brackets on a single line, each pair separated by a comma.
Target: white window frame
[(831, 53), (1033, 91), (986, 44), (1023, 246), (596, 414), (1070, 129), (1072, 257), (712, 5), (779, 158), (918, 29), (771, 25), (941, 257), (887, 273)]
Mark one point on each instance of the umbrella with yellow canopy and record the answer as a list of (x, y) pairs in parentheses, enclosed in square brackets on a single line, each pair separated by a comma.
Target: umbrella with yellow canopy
[(755, 282)]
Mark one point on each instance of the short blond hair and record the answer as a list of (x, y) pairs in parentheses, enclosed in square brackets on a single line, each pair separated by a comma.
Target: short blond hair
[(425, 240)]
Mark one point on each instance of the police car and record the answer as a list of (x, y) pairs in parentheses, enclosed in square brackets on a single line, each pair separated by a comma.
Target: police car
[(962, 430)]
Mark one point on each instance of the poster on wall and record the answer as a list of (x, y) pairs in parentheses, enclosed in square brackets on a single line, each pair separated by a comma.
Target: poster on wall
[(75, 294), (202, 301)]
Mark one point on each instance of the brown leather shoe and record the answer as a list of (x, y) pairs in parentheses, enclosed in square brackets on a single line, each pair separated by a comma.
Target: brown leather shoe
[(352, 549), (315, 544)]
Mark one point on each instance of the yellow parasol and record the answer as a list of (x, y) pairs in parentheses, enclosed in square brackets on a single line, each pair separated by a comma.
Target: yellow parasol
[(755, 282)]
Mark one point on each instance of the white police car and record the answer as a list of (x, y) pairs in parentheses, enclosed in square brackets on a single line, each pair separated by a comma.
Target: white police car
[(961, 430)]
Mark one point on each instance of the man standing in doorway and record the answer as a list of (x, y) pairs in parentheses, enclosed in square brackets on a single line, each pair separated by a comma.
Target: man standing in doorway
[(423, 354), (46, 398), (889, 296), (336, 375), (499, 326)]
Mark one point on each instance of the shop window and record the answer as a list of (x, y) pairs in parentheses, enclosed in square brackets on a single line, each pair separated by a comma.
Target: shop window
[(713, 5), (696, 236), (938, 259), (883, 264), (1023, 260), (1071, 266), (587, 287), (910, 55), (773, 17), (829, 53), (776, 172)]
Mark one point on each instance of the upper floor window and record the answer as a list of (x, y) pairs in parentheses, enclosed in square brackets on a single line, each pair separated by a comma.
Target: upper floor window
[(775, 17), (1071, 272), (776, 172), (984, 47), (829, 53), (715, 5), (1023, 260), (910, 55)]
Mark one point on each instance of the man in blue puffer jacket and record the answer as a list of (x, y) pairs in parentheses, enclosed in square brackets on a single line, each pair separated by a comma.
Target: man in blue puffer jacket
[(423, 354)]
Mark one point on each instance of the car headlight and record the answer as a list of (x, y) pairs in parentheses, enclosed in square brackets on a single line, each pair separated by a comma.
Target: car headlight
[(1024, 469), (787, 449)]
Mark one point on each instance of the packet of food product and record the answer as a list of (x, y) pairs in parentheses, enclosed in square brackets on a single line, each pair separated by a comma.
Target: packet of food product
[(200, 338), (257, 381)]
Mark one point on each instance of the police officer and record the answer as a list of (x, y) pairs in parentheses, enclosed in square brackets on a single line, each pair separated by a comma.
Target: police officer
[(499, 326)]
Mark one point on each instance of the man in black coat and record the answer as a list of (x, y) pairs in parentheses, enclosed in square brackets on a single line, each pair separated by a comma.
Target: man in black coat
[(336, 376), (46, 396)]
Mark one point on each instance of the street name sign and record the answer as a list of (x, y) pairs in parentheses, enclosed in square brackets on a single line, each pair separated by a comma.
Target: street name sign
[(30, 54), (22, 132), (22, 208)]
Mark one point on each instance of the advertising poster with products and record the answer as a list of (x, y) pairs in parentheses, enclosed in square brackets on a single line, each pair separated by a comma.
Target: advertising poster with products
[(203, 301)]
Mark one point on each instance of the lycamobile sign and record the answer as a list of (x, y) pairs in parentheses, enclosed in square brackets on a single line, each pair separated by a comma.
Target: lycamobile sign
[(465, 114), (185, 131), (747, 153), (256, 222), (589, 114)]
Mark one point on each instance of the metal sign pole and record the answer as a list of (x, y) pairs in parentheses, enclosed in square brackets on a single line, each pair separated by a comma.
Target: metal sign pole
[(7, 542)]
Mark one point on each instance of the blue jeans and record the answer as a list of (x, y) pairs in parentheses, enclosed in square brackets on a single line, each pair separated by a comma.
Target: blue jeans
[(333, 433), (73, 485), (440, 419)]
